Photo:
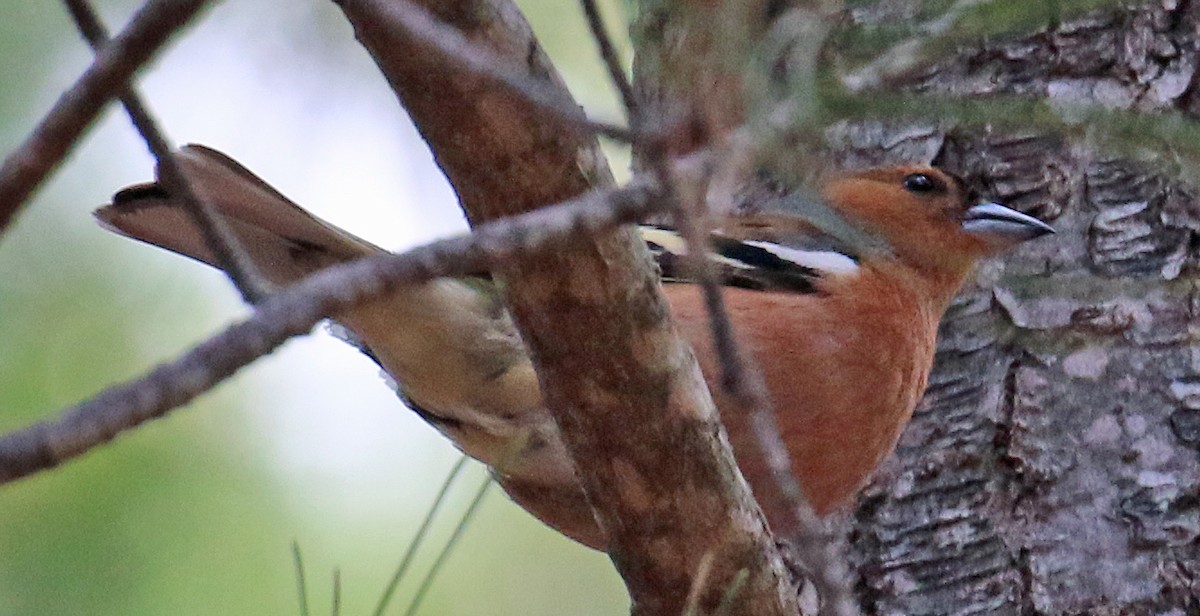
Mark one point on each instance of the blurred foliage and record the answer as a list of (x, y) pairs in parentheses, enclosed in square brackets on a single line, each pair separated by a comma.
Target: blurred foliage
[(900, 36), (1167, 137), (943, 26)]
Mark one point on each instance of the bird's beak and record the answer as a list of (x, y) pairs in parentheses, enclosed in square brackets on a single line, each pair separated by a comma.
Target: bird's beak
[(1003, 225)]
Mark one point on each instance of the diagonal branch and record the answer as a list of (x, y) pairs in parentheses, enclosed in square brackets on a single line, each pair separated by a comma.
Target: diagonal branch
[(24, 170), (710, 75), (229, 254), (612, 61), (295, 311), (624, 389)]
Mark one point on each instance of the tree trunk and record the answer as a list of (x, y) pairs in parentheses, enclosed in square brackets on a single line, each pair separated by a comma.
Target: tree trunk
[(1052, 466)]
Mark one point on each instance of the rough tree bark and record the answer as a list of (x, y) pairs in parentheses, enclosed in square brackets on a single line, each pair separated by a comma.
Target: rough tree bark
[(1052, 467)]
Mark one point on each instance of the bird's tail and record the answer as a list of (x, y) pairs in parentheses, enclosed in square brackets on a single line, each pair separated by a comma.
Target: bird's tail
[(284, 242)]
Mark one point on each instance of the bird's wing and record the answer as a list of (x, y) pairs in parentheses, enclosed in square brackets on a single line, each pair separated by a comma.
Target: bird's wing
[(762, 252)]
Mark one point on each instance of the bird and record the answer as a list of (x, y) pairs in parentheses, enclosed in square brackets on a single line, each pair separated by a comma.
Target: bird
[(840, 311)]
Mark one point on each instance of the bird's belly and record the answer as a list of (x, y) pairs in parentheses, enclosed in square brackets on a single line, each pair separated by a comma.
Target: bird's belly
[(843, 388)]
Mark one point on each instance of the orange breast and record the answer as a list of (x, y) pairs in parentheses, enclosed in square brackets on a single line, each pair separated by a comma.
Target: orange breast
[(844, 370)]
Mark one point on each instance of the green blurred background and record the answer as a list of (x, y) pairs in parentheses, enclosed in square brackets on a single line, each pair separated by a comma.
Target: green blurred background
[(196, 513)]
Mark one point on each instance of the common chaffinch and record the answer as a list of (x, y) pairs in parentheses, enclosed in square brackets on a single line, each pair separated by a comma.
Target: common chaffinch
[(841, 319)]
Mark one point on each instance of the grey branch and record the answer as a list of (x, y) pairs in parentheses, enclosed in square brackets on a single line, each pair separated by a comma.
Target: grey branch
[(612, 61)]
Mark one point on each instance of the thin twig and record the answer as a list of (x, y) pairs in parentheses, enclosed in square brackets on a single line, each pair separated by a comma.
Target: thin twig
[(740, 376), (608, 51), (427, 583), (337, 592), (729, 600), (296, 310), (419, 537), (27, 167), (301, 583), (743, 380), (734, 374), (703, 570), (218, 238), (822, 554), (418, 22)]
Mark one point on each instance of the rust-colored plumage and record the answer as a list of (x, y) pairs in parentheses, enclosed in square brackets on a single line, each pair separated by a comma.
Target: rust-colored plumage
[(842, 321)]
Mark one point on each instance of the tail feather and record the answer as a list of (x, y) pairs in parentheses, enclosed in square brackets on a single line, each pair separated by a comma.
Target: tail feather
[(283, 241)]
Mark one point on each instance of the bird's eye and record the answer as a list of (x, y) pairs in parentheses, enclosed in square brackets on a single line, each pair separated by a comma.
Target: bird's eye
[(921, 183)]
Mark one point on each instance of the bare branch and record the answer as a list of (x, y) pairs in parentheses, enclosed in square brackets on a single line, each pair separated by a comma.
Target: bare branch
[(229, 254), (720, 61), (741, 378), (295, 311), (608, 51), (29, 165)]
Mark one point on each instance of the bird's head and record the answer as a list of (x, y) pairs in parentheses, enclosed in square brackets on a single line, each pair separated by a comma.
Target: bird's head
[(929, 219)]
